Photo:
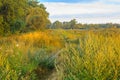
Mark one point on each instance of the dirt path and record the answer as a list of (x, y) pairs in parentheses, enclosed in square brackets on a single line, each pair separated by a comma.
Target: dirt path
[(53, 76), (49, 74)]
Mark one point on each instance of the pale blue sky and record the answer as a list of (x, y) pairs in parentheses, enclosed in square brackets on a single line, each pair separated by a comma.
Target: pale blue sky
[(85, 11), (67, 1)]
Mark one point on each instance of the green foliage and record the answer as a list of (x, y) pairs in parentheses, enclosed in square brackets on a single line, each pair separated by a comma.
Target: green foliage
[(73, 24), (1, 26), (18, 66), (6, 27), (43, 59), (16, 15), (56, 25), (11, 11), (17, 26), (37, 18)]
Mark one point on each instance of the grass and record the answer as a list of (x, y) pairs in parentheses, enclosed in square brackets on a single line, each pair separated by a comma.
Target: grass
[(95, 57), (74, 54), (21, 55)]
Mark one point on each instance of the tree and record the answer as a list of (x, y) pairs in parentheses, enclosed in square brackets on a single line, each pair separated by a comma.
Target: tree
[(15, 15), (66, 25), (37, 17), (56, 25), (73, 23), (10, 11)]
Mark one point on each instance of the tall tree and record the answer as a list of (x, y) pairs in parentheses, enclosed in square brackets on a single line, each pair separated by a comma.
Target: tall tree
[(14, 15), (56, 25), (73, 23), (37, 17), (10, 12)]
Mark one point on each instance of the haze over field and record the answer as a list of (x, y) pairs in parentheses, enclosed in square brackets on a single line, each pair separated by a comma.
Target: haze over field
[(85, 11)]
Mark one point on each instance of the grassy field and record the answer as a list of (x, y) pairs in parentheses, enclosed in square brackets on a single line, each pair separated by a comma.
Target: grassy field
[(61, 55)]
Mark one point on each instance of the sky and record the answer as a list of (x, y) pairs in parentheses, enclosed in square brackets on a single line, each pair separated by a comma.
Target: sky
[(84, 11)]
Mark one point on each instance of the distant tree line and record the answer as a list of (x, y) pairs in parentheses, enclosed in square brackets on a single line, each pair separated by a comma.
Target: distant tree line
[(21, 16), (18, 16), (73, 24)]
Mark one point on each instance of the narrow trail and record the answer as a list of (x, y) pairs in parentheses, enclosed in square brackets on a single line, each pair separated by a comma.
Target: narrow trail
[(50, 74)]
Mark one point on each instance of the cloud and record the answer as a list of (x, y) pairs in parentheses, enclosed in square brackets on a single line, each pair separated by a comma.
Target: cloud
[(80, 1), (68, 1), (110, 0), (78, 8), (99, 9)]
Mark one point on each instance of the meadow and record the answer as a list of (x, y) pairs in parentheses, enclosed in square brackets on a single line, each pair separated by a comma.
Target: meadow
[(61, 55)]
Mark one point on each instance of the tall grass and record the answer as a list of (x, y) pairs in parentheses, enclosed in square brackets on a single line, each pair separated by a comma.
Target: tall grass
[(83, 55), (95, 57), (22, 55)]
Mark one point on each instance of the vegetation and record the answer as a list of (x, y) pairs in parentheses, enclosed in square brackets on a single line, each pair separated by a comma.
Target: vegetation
[(73, 24), (95, 57), (64, 51), (21, 56), (22, 16), (73, 54)]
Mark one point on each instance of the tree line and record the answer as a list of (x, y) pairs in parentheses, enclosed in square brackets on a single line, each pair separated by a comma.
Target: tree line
[(18, 16), (73, 24), (21, 16)]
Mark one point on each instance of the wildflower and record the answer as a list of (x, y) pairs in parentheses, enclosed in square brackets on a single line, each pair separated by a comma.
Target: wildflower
[(17, 45), (0, 48)]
